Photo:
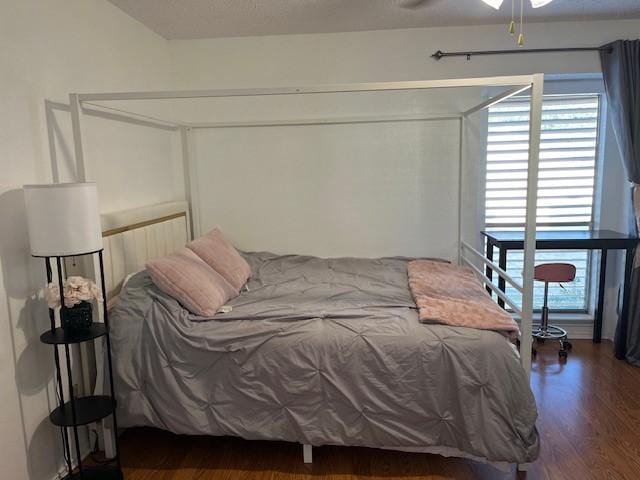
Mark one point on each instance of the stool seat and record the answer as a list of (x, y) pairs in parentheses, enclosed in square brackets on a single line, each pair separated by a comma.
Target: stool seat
[(554, 272)]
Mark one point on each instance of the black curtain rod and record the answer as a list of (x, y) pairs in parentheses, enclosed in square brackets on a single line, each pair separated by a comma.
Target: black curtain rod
[(440, 54)]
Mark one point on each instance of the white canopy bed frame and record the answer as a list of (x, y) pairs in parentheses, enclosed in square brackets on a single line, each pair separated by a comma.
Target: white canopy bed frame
[(83, 104)]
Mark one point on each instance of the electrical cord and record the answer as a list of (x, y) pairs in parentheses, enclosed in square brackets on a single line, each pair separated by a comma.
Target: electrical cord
[(95, 450), (63, 435)]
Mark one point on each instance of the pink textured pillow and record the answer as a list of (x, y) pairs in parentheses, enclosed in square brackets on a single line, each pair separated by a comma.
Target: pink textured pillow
[(220, 255), (193, 283)]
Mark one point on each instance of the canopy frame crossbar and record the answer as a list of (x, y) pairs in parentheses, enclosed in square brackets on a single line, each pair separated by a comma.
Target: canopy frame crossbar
[(83, 103), (504, 81)]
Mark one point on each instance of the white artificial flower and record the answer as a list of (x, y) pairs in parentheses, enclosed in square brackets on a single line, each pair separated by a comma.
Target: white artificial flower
[(96, 292), (52, 295), (76, 290), (75, 281)]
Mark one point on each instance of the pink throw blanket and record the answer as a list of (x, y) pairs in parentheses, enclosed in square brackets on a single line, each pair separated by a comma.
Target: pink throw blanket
[(452, 295)]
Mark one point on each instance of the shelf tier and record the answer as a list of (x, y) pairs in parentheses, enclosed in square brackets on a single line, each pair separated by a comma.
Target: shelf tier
[(96, 473), (88, 410), (60, 337)]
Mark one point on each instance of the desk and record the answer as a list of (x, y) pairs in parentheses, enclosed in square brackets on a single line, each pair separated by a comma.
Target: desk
[(602, 240)]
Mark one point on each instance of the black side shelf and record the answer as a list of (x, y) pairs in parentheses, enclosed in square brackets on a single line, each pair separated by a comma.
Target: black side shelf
[(60, 337), (88, 410)]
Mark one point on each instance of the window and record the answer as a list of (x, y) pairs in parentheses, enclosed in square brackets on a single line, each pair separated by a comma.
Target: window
[(566, 183)]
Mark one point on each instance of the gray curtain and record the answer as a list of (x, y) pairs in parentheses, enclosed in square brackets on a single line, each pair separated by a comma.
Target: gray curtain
[(621, 69)]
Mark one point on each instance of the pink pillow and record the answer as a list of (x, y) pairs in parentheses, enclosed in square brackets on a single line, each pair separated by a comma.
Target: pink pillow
[(184, 276), (220, 255)]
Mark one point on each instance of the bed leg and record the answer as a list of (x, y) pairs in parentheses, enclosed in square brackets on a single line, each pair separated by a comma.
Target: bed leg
[(307, 453), (523, 467)]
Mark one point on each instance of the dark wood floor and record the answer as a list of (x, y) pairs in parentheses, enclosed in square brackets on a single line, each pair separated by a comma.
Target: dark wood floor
[(589, 426)]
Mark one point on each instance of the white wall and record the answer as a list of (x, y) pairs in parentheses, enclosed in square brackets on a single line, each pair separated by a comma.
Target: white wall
[(364, 189), (49, 49), (385, 55)]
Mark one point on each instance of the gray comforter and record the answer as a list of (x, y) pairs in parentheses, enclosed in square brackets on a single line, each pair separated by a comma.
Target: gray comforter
[(321, 351)]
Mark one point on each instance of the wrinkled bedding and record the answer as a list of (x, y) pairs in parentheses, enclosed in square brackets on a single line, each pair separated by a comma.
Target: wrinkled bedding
[(452, 295), (321, 351)]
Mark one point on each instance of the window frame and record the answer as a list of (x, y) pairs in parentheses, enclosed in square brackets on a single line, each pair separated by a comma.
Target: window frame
[(568, 88)]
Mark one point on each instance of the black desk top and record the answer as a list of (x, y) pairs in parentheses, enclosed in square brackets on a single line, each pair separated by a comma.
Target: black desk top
[(564, 239)]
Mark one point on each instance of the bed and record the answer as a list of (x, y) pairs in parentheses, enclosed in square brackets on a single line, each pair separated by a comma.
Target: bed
[(321, 351)]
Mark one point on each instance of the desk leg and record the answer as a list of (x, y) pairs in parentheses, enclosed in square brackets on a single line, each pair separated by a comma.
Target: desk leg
[(597, 324), (502, 263), (488, 270), (623, 321)]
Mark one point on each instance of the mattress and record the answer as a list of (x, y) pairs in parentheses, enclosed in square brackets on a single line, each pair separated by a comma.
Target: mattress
[(321, 351)]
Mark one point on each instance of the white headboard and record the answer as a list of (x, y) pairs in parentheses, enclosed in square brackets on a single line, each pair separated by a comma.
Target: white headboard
[(133, 237)]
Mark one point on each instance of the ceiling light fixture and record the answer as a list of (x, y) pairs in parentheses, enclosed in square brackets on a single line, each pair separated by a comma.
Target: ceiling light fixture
[(494, 3), (534, 3), (512, 25), (540, 3)]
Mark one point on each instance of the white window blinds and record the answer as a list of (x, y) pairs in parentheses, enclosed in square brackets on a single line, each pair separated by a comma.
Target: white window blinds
[(568, 153), (567, 161)]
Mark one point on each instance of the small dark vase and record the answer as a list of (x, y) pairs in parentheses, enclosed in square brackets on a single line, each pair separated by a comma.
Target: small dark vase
[(77, 319)]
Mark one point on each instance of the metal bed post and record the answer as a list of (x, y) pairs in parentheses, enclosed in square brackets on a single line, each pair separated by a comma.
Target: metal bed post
[(460, 183), (76, 127), (190, 180), (535, 121), (82, 174)]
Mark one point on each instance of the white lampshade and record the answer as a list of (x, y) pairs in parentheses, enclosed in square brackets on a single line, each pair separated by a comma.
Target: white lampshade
[(63, 219)]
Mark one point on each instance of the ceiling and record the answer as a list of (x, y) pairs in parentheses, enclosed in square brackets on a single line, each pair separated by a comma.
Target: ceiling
[(183, 19)]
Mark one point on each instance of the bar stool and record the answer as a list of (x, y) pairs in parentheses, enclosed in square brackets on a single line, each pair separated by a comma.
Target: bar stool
[(556, 273)]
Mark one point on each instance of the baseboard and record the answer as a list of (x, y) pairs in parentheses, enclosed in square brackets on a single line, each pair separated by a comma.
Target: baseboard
[(579, 326), (577, 330), (62, 472)]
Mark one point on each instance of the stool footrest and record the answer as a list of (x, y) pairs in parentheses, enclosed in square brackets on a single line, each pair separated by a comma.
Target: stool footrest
[(550, 333)]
